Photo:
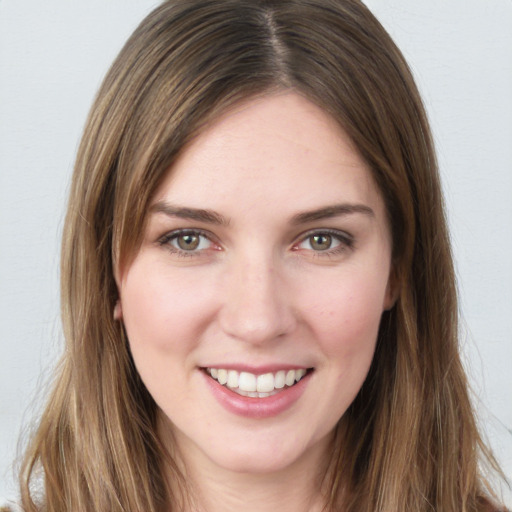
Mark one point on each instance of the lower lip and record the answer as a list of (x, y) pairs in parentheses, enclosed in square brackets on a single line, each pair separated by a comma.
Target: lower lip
[(257, 407)]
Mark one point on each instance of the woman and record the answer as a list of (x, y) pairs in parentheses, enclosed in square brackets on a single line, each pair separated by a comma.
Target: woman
[(257, 288)]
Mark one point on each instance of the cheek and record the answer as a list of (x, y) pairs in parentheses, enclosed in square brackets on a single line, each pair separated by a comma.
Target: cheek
[(346, 316), (344, 319), (164, 311), (163, 325)]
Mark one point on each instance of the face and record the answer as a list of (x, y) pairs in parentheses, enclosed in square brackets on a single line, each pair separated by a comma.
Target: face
[(253, 305)]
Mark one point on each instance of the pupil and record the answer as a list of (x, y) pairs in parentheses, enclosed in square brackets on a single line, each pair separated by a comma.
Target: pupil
[(188, 242), (321, 242)]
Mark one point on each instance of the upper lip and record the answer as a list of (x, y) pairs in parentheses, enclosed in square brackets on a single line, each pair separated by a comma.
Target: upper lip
[(259, 369)]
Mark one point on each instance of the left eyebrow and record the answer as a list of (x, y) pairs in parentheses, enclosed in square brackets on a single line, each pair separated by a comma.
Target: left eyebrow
[(331, 211), (194, 214)]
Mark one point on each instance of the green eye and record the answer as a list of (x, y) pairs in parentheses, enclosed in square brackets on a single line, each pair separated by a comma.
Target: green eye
[(187, 242), (320, 242), (325, 242)]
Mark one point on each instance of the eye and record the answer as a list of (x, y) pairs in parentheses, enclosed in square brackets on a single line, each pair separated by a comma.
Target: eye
[(187, 242), (326, 242), (321, 242)]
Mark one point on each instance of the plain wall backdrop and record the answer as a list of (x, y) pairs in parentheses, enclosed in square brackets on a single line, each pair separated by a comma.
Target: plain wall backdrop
[(53, 55)]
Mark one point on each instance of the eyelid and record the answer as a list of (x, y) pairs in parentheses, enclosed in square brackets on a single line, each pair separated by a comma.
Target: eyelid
[(166, 239), (346, 240)]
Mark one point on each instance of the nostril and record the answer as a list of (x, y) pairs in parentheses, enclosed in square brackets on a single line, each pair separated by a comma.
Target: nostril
[(256, 325)]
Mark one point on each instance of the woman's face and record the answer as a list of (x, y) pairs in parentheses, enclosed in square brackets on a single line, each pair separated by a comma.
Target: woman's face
[(265, 261)]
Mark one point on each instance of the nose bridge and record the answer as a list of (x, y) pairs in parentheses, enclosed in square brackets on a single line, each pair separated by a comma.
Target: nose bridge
[(256, 307)]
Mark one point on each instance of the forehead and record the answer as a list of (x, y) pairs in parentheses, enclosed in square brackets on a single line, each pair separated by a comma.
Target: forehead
[(280, 150)]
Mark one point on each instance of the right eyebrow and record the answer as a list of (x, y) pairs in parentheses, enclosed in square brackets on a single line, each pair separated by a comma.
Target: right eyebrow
[(331, 211), (196, 214)]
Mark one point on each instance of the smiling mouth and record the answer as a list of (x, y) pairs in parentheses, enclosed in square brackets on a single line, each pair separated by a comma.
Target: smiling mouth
[(257, 386)]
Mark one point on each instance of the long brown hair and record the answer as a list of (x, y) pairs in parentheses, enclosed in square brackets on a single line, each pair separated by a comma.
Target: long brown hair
[(410, 440)]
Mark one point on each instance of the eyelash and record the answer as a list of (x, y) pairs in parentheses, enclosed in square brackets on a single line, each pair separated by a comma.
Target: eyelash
[(346, 242), (168, 238)]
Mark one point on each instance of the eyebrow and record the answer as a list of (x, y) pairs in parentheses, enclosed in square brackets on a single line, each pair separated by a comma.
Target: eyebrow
[(331, 211), (212, 217), (197, 214)]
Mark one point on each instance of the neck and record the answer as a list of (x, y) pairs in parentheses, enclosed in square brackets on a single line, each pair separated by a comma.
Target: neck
[(210, 488), (294, 489)]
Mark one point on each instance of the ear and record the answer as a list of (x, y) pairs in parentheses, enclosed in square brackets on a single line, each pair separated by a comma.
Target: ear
[(118, 310), (392, 291)]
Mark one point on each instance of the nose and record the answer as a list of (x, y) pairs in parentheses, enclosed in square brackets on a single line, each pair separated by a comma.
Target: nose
[(256, 308)]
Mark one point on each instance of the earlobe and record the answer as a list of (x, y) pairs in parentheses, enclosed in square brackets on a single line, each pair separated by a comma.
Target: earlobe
[(118, 311)]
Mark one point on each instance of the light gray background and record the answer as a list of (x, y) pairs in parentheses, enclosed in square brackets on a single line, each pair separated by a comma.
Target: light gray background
[(53, 55)]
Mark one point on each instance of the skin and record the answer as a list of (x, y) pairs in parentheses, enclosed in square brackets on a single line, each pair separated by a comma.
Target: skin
[(256, 290)]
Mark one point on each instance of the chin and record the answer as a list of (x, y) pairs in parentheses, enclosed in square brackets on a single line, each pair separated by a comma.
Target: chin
[(266, 457), (255, 462)]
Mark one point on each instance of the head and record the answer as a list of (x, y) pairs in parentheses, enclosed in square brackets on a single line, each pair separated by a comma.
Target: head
[(188, 64)]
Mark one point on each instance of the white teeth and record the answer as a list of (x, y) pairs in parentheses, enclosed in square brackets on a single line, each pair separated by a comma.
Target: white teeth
[(290, 378), (222, 376), (256, 386), (279, 379), (299, 374), (265, 383), (232, 379), (247, 382)]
